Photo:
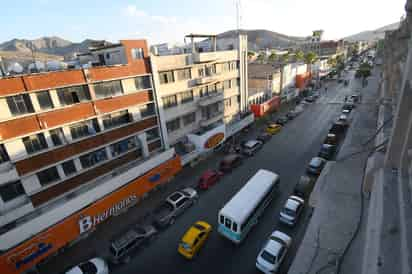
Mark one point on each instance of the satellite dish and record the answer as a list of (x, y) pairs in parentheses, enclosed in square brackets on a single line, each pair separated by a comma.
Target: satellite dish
[(15, 68), (36, 67)]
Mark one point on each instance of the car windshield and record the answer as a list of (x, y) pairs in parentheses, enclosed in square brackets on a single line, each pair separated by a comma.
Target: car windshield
[(185, 246), (200, 227), (268, 257), (174, 197), (288, 212), (88, 268)]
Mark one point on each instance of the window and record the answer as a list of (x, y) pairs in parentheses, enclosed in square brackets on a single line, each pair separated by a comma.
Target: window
[(228, 102), (166, 77), (93, 158), (73, 95), (4, 157), (11, 190), (222, 219), (186, 96), (20, 104), (227, 84), (108, 89), (210, 70), (48, 176), (234, 226), (69, 167), (57, 136), (189, 118), (116, 119), (211, 89), (184, 74), (181, 202), (142, 82), (147, 110), (152, 134), (169, 101), (137, 53), (225, 67), (123, 146), (35, 143), (44, 99), (173, 125), (83, 129)]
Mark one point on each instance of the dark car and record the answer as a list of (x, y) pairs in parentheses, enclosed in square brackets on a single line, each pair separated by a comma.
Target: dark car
[(122, 247), (264, 137), (230, 162), (349, 106), (355, 98), (303, 187), (209, 178), (316, 165), (338, 128), (291, 115), (327, 151), (310, 99), (251, 147), (331, 139), (282, 120)]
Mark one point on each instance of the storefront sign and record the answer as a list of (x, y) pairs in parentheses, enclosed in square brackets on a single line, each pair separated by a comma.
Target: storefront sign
[(214, 140), (88, 222), (39, 247)]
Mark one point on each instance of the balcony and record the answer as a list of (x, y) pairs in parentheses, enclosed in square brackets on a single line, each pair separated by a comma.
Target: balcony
[(202, 57), (212, 118), (205, 80), (210, 99)]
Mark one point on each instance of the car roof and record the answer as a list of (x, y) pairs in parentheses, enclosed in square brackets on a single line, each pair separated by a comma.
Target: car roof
[(191, 235), (292, 204), (316, 161), (327, 146), (251, 143), (125, 238), (207, 174), (273, 247)]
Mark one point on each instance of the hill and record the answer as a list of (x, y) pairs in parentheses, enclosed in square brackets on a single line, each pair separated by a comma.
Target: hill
[(372, 35), (261, 39)]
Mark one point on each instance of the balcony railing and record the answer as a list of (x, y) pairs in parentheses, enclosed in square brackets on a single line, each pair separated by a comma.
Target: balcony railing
[(212, 118), (211, 98)]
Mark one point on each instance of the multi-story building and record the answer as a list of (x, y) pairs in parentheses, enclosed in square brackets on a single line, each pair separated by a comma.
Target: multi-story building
[(76, 147), (201, 94)]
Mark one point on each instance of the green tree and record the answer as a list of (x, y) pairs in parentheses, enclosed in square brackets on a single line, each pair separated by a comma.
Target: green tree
[(285, 58), (309, 59), (332, 62), (299, 55), (250, 54), (261, 58), (273, 57)]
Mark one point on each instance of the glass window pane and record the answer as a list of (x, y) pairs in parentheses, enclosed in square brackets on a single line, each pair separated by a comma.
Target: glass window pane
[(11, 190), (69, 167), (48, 176), (44, 99)]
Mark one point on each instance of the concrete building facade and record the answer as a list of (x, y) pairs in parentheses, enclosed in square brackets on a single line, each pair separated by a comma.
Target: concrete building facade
[(76, 147)]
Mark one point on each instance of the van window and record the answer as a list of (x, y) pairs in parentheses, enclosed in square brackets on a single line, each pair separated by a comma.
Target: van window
[(228, 223), (222, 219), (234, 227), (181, 202)]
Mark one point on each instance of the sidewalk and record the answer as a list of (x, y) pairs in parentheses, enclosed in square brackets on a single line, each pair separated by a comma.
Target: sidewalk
[(338, 200)]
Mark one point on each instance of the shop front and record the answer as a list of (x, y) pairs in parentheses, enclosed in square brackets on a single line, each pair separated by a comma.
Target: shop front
[(302, 80), (30, 252), (273, 104)]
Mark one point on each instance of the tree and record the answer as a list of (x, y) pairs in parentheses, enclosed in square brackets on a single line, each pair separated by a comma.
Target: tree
[(285, 58), (309, 59), (250, 54), (299, 55), (261, 58), (332, 62), (273, 57)]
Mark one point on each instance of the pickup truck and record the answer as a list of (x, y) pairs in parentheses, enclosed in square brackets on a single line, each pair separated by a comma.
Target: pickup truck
[(167, 212)]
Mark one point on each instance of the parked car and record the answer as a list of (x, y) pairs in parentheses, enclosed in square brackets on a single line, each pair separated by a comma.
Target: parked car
[(273, 128), (251, 147), (331, 139), (303, 187), (346, 111), (230, 162), (348, 106), (310, 99), (355, 98), (273, 252), (209, 178), (291, 115), (264, 137), (175, 205), (327, 151), (338, 128), (292, 210), (316, 165), (95, 266), (194, 239), (122, 247), (282, 120), (343, 118)]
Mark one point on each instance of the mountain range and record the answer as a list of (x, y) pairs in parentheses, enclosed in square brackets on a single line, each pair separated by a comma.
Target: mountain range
[(55, 48)]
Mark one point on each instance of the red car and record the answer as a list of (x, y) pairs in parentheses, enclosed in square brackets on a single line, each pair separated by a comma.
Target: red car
[(209, 178)]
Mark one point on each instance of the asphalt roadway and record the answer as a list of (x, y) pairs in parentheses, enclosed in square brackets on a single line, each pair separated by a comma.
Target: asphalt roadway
[(287, 154)]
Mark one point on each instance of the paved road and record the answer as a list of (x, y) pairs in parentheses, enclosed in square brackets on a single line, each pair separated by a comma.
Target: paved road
[(286, 154)]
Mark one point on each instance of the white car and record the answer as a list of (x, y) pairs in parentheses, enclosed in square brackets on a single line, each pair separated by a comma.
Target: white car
[(343, 118), (345, 111), (93, 266), (273, 253), (291, 210)]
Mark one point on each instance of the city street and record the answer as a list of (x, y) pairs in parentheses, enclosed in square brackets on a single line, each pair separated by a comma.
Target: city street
[(286, 154)]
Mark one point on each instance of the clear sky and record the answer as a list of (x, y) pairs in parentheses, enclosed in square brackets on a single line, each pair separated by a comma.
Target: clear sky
[(168, 21)]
